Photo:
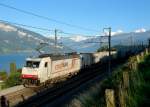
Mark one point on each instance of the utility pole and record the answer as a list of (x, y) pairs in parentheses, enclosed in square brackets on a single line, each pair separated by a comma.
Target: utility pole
[(142, 45), (149, 42), (55, 40), (131, 41), (109, 48)]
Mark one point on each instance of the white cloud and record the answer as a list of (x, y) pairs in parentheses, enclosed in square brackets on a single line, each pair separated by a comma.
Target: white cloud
[(78, 38), (140, 30), (51, 43), (21, 34), (117, 32), (53, 37), (30, 36), (114, 33), (7, 28), (6, 41), (57, 46), (38, 39), (85, 46)]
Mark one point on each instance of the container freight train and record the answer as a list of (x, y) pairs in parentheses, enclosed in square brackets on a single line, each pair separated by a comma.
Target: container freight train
[(48, 68)]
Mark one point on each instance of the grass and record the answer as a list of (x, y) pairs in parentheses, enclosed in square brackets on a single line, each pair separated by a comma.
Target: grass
[(138, 93)]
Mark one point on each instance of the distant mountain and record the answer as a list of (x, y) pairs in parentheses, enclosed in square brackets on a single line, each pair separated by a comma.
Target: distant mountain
[(81, 43), (17, 39)]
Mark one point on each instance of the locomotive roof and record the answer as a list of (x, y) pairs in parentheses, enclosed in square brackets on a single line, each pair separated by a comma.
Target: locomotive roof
[(33, 59), (59, 57)]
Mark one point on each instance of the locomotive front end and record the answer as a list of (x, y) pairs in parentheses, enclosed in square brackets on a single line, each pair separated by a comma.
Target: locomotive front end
[(30, 72)]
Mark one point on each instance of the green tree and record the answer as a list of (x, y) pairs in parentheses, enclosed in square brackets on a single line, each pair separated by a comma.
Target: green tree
[(3, 75), (13, 67), (13, 79), (105, 48)]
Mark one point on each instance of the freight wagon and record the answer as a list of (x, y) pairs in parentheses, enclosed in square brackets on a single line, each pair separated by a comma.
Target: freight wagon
[(88, 59)]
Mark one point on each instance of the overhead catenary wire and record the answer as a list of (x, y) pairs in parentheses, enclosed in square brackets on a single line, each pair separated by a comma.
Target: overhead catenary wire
[(48, 18), (29, 26), (69, 33), (38, 48), (40, 28)]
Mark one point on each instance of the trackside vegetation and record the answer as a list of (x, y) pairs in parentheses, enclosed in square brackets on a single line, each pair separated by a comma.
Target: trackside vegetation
[(130, 90), (10, 79)]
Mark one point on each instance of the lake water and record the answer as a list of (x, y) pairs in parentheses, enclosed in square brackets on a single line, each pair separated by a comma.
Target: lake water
[(18, 58)]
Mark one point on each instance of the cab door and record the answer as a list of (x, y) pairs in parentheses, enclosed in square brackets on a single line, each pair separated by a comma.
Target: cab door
[(45, 72), (47, 69)]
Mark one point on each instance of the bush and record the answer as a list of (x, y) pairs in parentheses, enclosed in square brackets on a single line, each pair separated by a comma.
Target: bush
[(13, 79), (3, 75)]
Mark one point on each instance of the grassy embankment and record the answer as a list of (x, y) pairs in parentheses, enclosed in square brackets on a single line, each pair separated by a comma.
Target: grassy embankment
[(130, 91)]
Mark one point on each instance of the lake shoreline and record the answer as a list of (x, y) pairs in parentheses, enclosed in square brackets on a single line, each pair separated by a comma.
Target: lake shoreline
[(18, 58)]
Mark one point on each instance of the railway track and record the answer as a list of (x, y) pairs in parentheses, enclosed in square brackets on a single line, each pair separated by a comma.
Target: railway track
[(21, 95), (51, 94), (54, 93)]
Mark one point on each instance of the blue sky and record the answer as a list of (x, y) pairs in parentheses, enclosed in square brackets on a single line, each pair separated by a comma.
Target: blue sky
[(126, 15)]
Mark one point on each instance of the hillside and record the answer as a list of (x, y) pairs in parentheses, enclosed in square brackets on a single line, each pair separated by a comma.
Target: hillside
[(17, 39)]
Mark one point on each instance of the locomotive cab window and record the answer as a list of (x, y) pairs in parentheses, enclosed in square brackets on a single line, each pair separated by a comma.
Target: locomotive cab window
[(45, 64), (32, 64)]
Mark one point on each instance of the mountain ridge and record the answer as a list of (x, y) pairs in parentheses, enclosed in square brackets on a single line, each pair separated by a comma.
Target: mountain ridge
[(132, 38), (17, 39)]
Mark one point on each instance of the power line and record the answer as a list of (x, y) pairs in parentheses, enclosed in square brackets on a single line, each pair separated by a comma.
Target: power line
[(13, 23), (43, 29), (47, 18), (68, 33)]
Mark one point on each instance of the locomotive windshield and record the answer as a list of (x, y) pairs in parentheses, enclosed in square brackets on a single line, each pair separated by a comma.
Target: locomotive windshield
[(33, 64)]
